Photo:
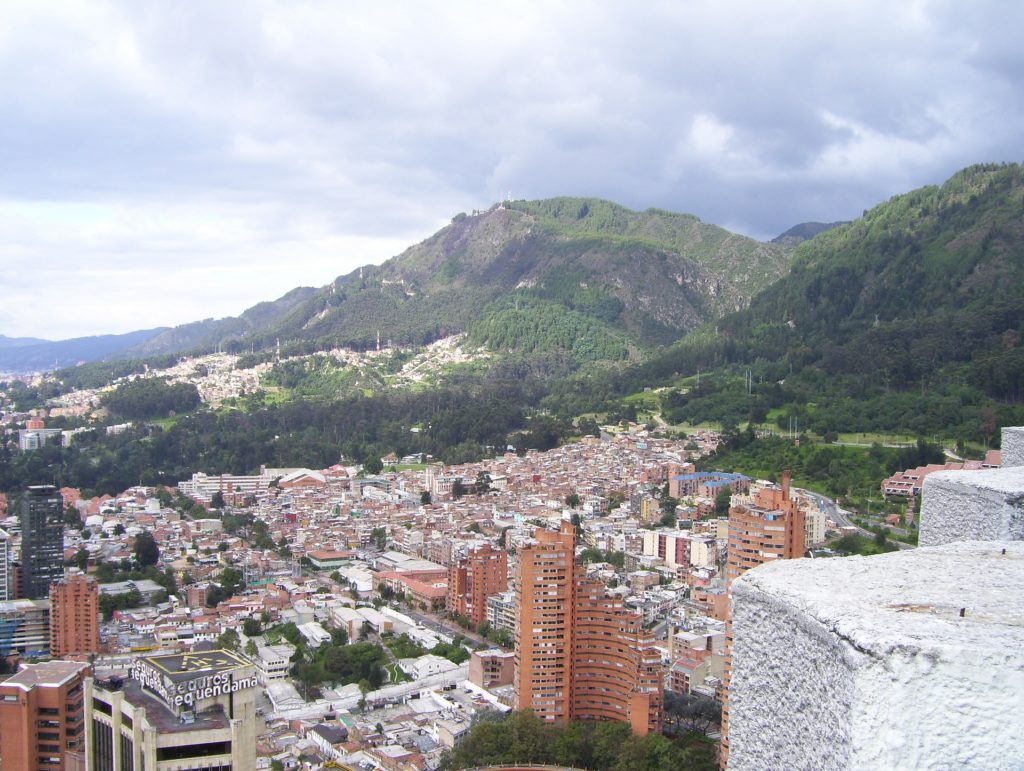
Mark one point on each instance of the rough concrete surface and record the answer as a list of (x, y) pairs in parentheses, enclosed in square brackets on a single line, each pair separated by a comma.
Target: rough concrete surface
[(866, 662), (972, 505), (1013, 446)]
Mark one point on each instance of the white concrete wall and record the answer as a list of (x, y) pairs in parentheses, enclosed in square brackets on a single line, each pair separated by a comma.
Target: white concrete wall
[(913, 659), (1013, 446), (866, 662), (973, 505)]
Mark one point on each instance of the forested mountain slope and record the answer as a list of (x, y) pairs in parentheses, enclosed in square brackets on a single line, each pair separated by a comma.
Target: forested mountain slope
[(211, 333), (929, 279), (910, 318), (595, 268)]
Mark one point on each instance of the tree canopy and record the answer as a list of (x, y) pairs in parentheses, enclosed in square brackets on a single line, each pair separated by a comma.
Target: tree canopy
[(146, 398), (522, 738), (146, 550)]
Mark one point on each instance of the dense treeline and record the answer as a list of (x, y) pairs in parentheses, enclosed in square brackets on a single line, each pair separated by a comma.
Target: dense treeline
[(576, 289), (458, 423), (99, 373), (26, 397), (145, 398), (523, 738), (824, 405), (339, 663)]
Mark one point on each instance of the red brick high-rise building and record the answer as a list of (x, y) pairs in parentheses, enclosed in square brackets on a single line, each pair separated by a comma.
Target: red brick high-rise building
[(770, 529), (580, 655), (482, 573), (42, 716), (74, 616)]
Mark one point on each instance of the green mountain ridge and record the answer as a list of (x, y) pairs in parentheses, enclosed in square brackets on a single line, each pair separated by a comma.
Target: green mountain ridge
[(804, 232), (211, 333), (646, 276)]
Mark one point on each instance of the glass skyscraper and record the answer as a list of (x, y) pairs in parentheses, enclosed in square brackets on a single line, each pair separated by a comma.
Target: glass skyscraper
[(42, 540)]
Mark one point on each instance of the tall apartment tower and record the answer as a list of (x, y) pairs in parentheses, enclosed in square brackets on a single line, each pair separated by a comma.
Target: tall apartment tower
[(74, 616), (5, 567), (42, 717), (42, 540), (774, 527), (482, 573), (544, 589), (580, 655)]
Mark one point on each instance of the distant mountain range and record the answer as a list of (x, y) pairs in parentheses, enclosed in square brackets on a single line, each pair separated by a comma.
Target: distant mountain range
[(20, 342), (30, 354), (929, 277)]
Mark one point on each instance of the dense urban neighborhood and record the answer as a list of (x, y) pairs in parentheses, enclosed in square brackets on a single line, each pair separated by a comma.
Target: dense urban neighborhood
[(379, 610)]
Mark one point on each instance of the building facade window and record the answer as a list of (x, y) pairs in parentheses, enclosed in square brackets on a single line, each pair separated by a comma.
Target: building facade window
[(102, 746)]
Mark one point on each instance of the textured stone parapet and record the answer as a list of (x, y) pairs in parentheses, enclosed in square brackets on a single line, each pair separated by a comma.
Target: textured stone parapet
[(983, 505), (1013, 447), (913, 659)]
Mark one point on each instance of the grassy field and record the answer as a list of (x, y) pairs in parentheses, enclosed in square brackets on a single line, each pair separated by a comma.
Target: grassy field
[(867, 439), (647, 400), (692, 427), (272, 637), (166, 423)]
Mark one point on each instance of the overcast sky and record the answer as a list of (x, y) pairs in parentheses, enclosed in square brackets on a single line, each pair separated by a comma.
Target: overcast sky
[(164, 162)]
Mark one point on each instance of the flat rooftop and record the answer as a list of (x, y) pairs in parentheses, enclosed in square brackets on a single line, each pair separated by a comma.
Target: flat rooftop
[(47, 673), (161, 718), (181, 667)]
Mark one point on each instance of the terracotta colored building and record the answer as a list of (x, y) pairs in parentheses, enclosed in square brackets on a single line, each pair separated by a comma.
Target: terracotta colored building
[(772, 528), (42, 717), (196, 594), (480, 574), (491, 668), (74, 616), (580, 655), (426, 588)]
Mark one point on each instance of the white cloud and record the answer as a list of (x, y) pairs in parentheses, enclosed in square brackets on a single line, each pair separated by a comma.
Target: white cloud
[(709, 136)]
